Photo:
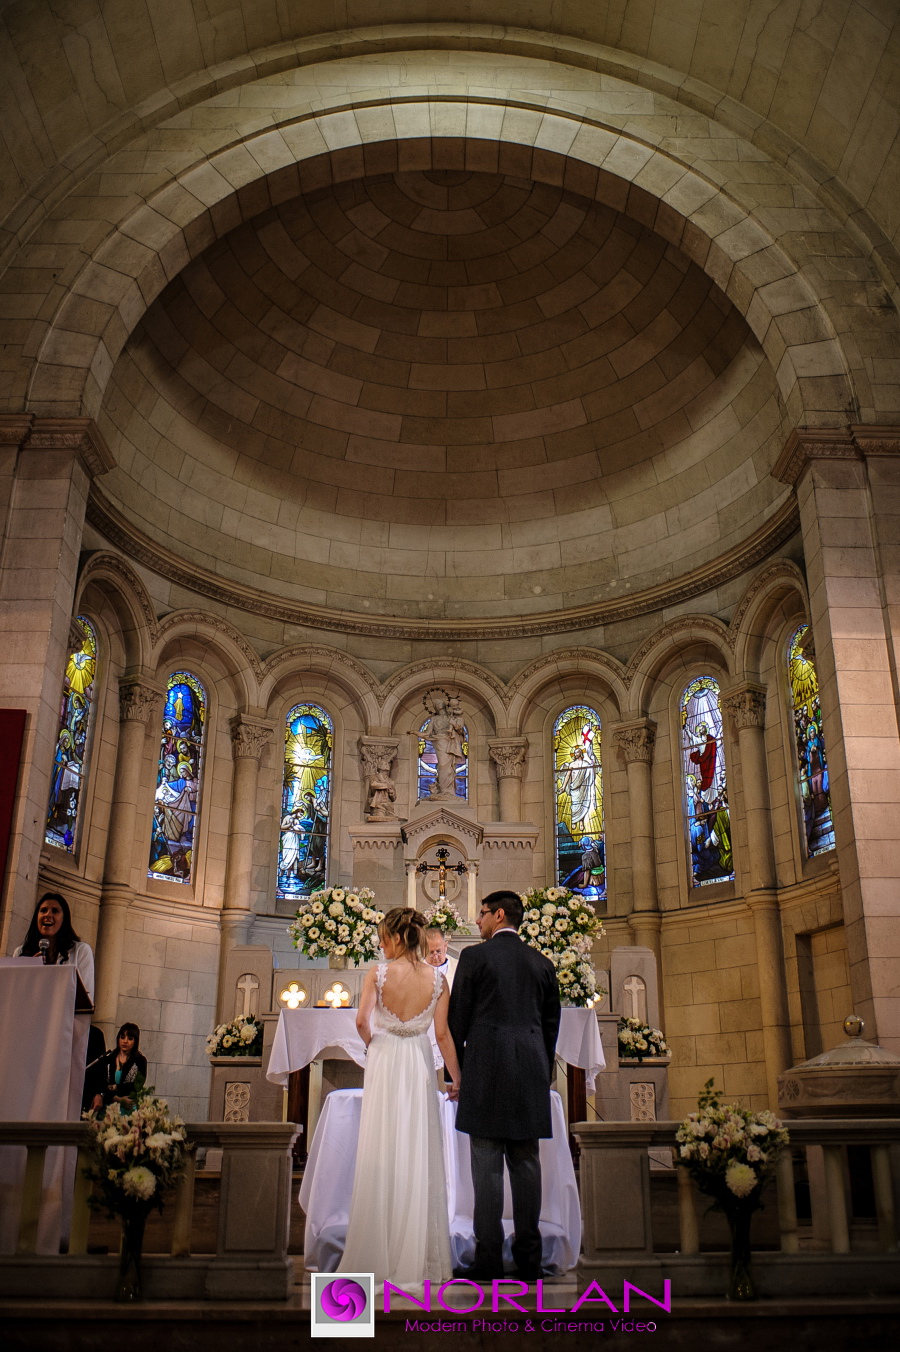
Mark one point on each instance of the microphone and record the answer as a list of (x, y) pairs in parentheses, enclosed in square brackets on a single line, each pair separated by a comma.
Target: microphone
[(44, 948)]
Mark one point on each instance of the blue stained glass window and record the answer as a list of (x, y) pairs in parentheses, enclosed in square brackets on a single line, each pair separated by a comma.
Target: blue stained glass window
[(705, 784), (70, 755), (305, 801), (427, 764), (815, 797), (578, 790), (178, 779)]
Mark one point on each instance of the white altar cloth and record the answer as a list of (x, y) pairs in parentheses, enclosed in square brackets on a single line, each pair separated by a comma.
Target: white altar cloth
[(305, 1035), (42, 1055), (328, 1186), (579, 1044)]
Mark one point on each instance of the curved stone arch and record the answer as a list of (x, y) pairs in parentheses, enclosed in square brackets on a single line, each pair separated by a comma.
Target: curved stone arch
[(239, 660), (682, 634), (160, 237), (355, 679), (527, 685), (751, 624), (89, 156), (467, 677), (126, 593)]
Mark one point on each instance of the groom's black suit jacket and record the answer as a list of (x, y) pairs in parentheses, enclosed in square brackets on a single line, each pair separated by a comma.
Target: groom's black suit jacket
[(504, 1018)]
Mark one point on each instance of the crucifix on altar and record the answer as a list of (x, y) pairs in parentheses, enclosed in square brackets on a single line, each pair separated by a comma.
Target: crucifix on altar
[(441, 868)]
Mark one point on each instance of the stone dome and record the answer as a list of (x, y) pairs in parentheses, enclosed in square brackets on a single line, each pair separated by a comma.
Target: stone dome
[(441, 394)]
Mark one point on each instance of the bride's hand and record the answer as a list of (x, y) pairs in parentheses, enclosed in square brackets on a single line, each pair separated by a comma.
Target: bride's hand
[(453, 1092)]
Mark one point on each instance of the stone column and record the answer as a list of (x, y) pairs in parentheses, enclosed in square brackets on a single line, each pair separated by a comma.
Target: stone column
[(746, 706), (249, 738), (636, 741), (138, 703), (848, 487), (46, 465), (508, 755)]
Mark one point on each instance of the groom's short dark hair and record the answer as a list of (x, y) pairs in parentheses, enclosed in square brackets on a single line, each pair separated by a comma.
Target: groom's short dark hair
[(510, 903)]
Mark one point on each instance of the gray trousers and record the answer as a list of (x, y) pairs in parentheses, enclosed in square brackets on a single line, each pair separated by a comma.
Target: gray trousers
[(523, 1161)]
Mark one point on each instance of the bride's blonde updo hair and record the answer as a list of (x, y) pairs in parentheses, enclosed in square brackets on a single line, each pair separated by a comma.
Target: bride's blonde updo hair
[(408, 929)]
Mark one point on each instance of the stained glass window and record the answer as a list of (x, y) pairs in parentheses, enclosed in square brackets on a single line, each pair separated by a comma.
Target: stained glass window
[(578, 788), (305, 801), (705, 784), (427, 764), (72, 739), (178, 779), (815, 797)]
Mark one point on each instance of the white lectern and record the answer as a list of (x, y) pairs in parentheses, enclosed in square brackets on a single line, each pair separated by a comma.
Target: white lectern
[(42, 1054)]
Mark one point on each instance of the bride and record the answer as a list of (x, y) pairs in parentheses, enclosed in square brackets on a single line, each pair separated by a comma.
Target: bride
[(398, 1225)]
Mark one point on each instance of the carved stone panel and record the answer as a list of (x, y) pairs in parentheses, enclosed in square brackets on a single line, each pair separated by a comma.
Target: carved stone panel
[(642, 1097), (237, 1101)]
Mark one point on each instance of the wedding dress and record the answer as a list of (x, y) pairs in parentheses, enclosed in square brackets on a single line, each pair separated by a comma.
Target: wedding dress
[(399, 1227)]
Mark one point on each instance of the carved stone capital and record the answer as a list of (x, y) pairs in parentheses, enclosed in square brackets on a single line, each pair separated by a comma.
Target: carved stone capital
[(249, 738), (137, 700), (377, 753), (508, 755), (806, 444), (746, 706), (636, 740)]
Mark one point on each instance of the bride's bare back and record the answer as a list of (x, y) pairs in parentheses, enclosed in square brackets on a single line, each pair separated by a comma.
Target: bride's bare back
[(408, 988)]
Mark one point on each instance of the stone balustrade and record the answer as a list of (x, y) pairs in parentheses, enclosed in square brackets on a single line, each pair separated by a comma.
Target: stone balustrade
[(821, 1256), (251, 1259)]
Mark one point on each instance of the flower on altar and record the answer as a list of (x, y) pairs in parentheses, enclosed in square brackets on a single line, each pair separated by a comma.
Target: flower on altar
[(242, 1037), (338, 921), (741, 1179), (563, 926)]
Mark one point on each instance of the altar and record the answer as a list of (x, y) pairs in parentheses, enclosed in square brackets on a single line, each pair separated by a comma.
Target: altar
[(327, 1188)]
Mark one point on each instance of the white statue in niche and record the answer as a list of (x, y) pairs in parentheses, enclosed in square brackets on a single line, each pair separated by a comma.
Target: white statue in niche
[(445, 731)]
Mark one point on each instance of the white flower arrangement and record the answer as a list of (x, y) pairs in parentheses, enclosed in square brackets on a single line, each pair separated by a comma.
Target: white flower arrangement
[(730, 1151), (242, 1037), (339, 921), (637, 1040), (135, 1156), (444, 916), (563, 926)]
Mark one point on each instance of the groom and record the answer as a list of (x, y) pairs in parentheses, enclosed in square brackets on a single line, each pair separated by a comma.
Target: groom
[(504, 1018)]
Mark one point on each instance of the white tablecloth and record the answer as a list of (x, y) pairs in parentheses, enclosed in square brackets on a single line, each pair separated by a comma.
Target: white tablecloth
[(42, 1055), (579, 1044), (328, 1186), (305, 1035)]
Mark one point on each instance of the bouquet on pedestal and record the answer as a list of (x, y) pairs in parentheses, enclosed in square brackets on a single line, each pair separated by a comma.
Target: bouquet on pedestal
[(638, 1041), (561, 925), (444, 916), (135, 1157), (338, 922), (730, 1152), (242, 1037)]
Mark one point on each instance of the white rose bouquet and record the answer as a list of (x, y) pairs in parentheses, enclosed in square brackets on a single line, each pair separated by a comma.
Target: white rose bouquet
[(340, 921), (563, 926), (730, 1152), (242, 1037), (135, 1156), (638, 1040), (444, 916)]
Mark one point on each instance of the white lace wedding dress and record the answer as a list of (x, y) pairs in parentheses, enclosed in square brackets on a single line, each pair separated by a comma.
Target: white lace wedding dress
[(398, 1225)]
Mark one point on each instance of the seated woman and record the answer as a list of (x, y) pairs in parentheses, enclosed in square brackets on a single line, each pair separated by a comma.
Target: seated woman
[(126, 1070), (52, 920)]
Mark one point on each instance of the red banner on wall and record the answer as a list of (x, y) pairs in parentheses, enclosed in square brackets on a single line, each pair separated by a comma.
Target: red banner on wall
[(12, 734)]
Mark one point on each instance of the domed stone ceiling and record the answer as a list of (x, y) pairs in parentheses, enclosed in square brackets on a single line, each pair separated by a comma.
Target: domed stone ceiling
[(443, 394)]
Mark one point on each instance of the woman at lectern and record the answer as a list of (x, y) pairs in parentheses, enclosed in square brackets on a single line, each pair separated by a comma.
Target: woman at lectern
[(51, 935)]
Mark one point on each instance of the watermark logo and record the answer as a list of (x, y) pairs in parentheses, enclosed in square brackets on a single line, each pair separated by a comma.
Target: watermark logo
[(342, 1307)]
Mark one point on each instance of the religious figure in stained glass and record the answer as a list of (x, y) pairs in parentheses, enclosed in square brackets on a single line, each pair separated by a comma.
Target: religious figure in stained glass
[(578, 789), (443, 768), (72, 738), (815, 797), (305, 801), (705, 784), (178, 779)]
